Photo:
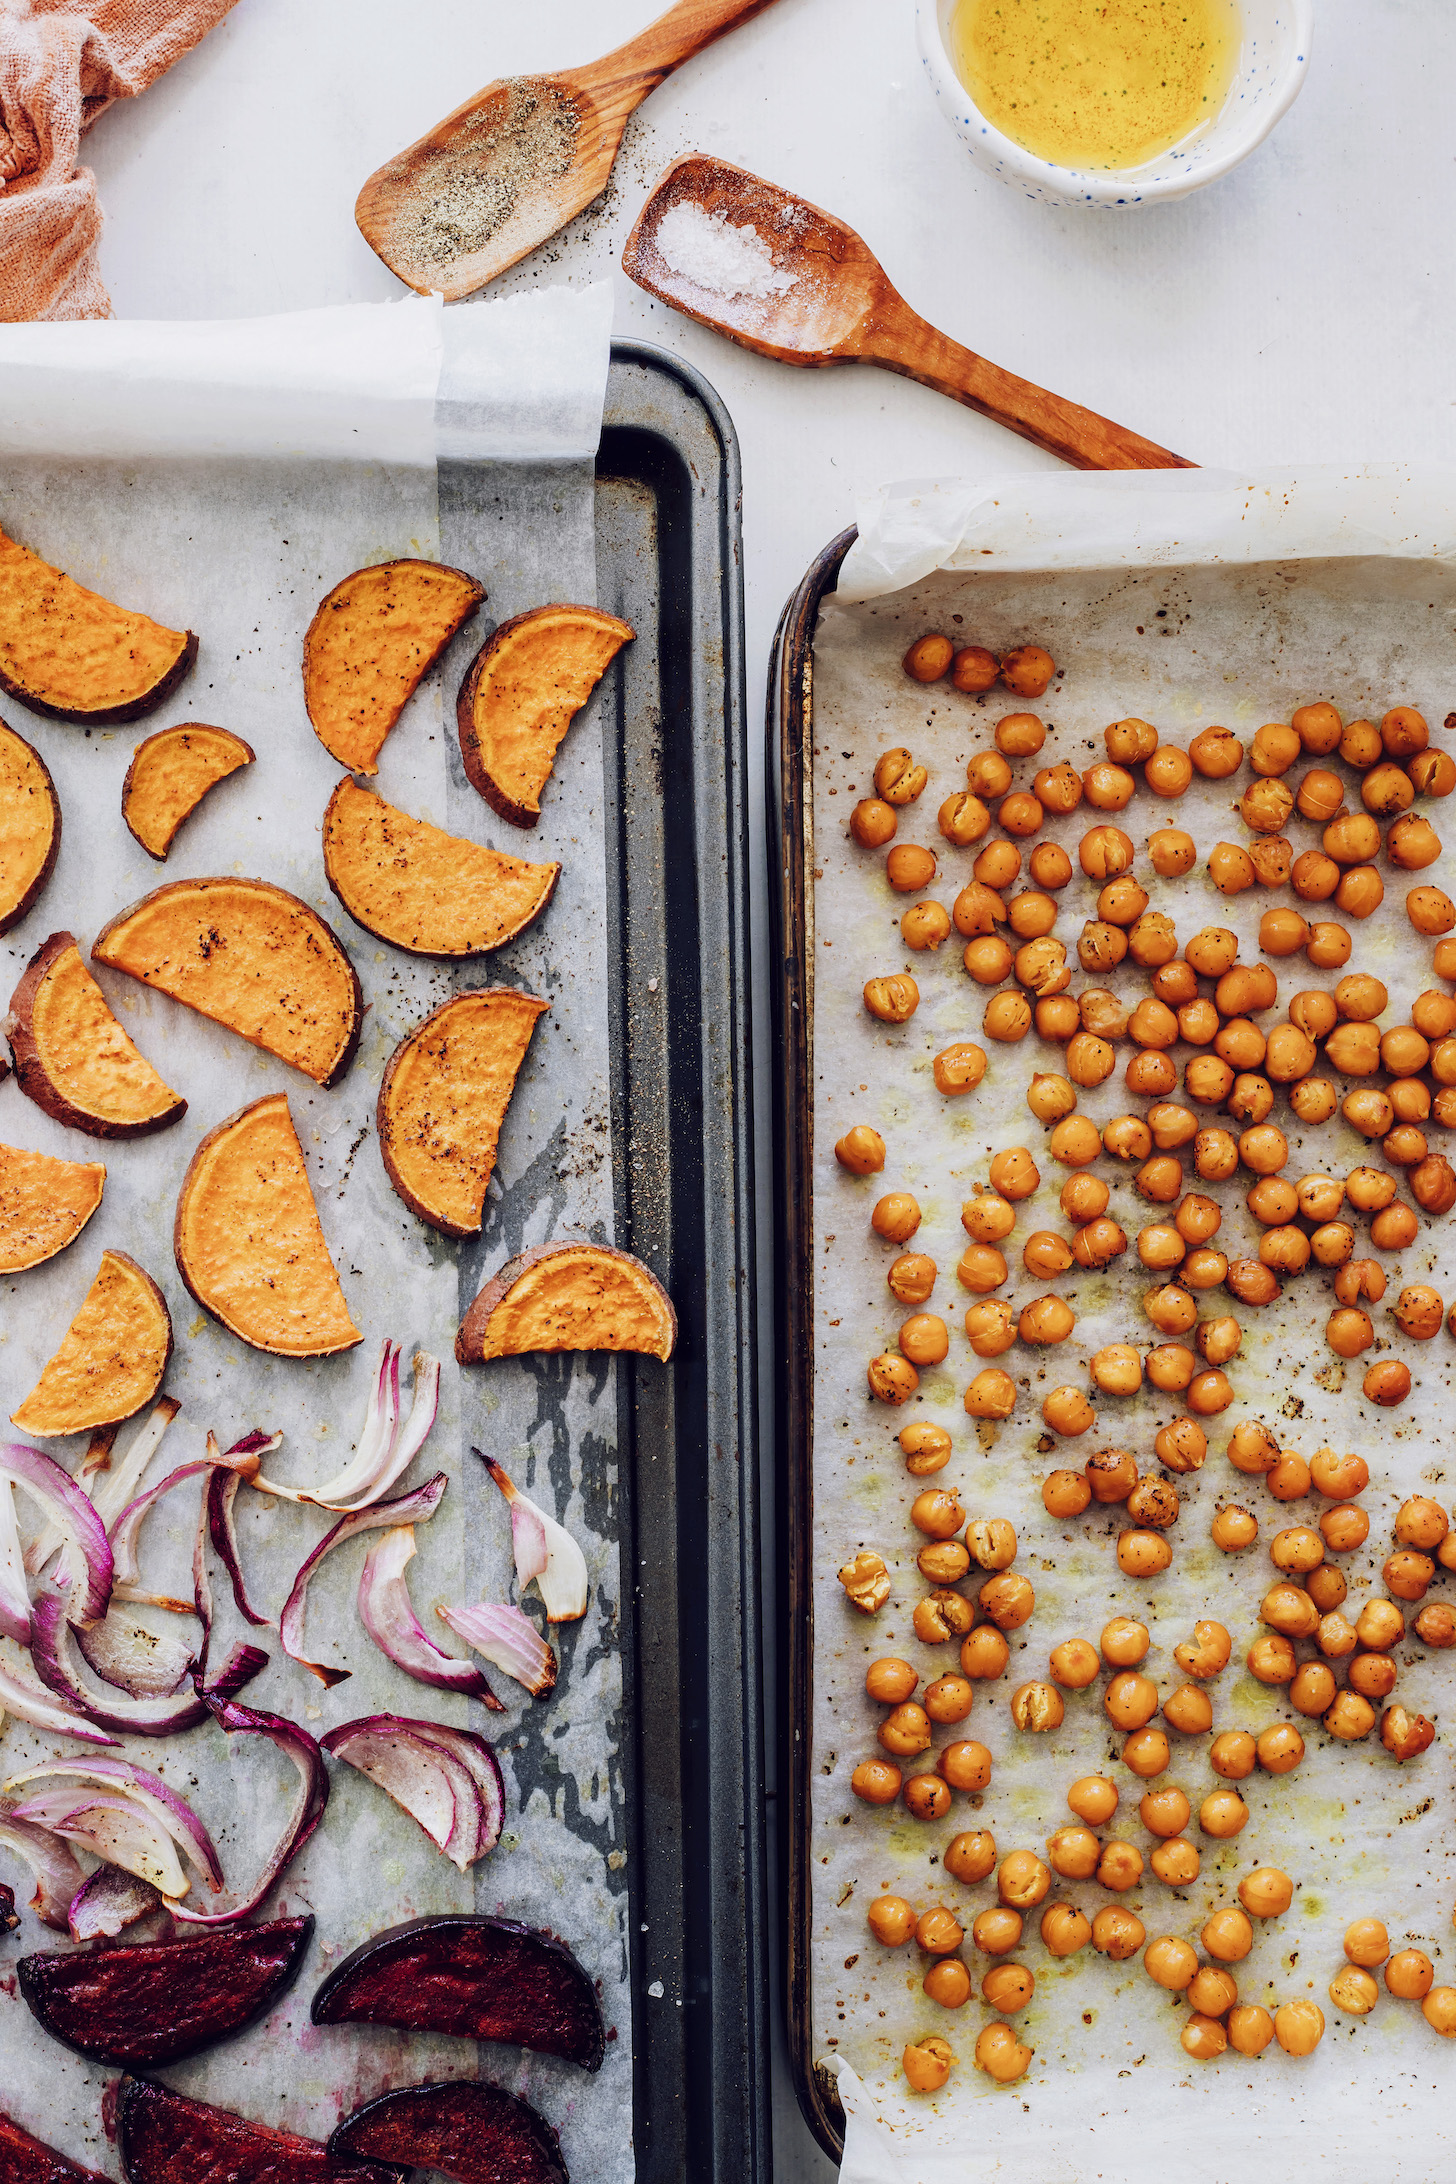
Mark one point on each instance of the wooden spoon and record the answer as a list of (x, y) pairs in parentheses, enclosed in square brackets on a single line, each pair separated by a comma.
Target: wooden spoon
[(512, 165), (832, 303)]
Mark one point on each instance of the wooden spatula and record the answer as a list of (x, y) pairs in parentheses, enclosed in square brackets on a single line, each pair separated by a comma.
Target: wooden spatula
[(511, 166), (826, 299)]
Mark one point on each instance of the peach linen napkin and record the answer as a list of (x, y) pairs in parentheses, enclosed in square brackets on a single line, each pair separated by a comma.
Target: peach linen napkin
[(62, 62)]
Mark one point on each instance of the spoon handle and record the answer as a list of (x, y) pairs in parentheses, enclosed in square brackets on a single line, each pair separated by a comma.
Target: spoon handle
[(627, 75), (903, 342)]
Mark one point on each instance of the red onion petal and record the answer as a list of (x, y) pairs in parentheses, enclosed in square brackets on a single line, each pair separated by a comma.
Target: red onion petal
[(51, 1651), (14, 1592), (381, 1423), (133, 1659), (87, 1546), (425, 1782), (387, 1613), (477, 1757), (115, 1829), (53, 1868), (47, 1709), (150, 1791), (506, 1638), (108, 1901), (126, 1531), (396, 1462), (308, 1809), (545, 1551), (395, 1752), (409, 1508), (222, 1492)]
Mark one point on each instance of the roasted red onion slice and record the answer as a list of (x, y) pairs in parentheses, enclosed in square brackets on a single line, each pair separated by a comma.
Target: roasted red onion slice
[(545, 1551), (14, 1592), (150, 1792), (51, 1710), (448, 1780), (507, 1639), (108, 1902), (222, 1492), (381, 1424), (411, 1508), (88, 1552), (55, 1871), (143, 1663), (113, 1828), (387, 1613), (126, 1532), (308, 1808), (114, 1484), (52, 1650)]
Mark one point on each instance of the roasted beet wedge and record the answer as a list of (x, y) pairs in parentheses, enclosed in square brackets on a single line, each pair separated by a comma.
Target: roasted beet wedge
[(141, 2006), (486, 1979), (166, 2139), (23, 2160), (474, 2132)]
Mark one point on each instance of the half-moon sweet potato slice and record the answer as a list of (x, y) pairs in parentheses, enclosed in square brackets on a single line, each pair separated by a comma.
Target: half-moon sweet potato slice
[(72, 655), (170, 773), (480, 1978), (73, 1058), (112, 1359), (568, 1296), (165, 2138), (146, 2004), (443, 1098), (473, 2131), (422, 889), (253, 958), (30, 826), (370, 645), (525, 686), (26, 2160), (44, 1204), (248, 1240)]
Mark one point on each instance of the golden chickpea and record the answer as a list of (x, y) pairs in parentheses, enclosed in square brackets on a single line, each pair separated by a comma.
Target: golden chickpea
[(1160, 1247), (1065, 1494), (1408, 1574), (1068, 1412), (1021, 814), (1008, 1988), (891, 1921), (1046, 1320), (1117, 1369), (1159, 1180), (927, 1797), (1439, 2006), (1234, 1529), (1299, 2027), (894, 999), (1074, 1664), (1368, 1111), (1051, 867), (997, 1930), (1212, 1992), (1164, 1812), (974, 669), (876, 1781), (1037, 1708), (1090, 1060), (873, 823), (963, 819), (1168, 771), (1266, 1893), (896, 1217), (1130, 1700), (1231, 868), (1105, 851), (1314, 1100), (1014, 1174), (909, 868), (1344, 1529), (992, 1542), (943, 1562), (1413, 843), (1189, 1711), (1022, 1880), (970, 1857), (1171, 1367), (1350, 1718), (937, 1512), (1222, 1814), (1366, 1942), (1318, 728), (1430, 911), (1065, 1929), (925, 925), (1153, 1501), (1057, 1018), (1410, 1974), (1272, 857), (939, 1932), (1443, 1060), (981, 1268), (1181, 1445), (1027, 670), (1336, 1636), (1434, 1014), (947, 1982), (991, 1330), (891, 1682), (1073, 1853), (1394, 1229), (1297, 1550), (1405, 1735), (1007, 1600), (941, 1616), (959, 1068), (1435, 1626), (1289, 1610), (1361, 892), (1175, 1862), (1228, 1935), (912, 1278), (999, 2053), (1117, 1934), (892, 1379), (1314, 876), (927, 2063), (1130, 741), (1031, 915), (1270, 1659), (1171, 1962), (861, 1150), (1433, 1187), (1421, 1522), (1098, 1243), (1093, 1798), (1019, 735), (977, 910), (1386, 791), (1170, 1308), (1234, 1755), (1348, 1331), (1102, 946), (905, 1730), (1075, 1142), (1149, 1074), (1281, 1749), (1433, 772), (1120, 1867), (987, 959), (1208, 1080), (1143, 1554), (1252, 1448), (929, 658), (1108, 787), (948, 1699)]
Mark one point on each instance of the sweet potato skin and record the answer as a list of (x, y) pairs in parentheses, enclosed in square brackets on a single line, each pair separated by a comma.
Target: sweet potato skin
[(385, 1119), (32, 1075), (481, 779), (470, 2130), (25, 2160), (131, 787), (360, 750), (481, 1978), (166, 2138), (471, 1340), (24, 762), (26, 1419), (141, 2006)]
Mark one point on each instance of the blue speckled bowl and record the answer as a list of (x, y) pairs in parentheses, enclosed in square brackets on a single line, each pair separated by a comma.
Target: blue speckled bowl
[(1271, 69)]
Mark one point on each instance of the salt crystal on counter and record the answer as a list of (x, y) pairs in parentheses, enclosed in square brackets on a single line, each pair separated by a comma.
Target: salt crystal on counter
[(727, 261)]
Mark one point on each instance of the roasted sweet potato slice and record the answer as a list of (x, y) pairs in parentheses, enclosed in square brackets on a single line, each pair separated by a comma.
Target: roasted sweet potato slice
[(371, 643), (68, 653), (443, 1098), (525, 686), (253, 958), (146, 2004), (169, 775), (248, 1241), (73, 1058), (30, 826), (482, 1978), (112, 1359), (472, 2131), (44, 1204), (167, 2139), (24, 2160), (568, 1296), (430, 892)]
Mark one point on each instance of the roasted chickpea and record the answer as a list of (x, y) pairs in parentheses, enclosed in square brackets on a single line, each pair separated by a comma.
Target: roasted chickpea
[(1117, 1369), (970, 1857), (948, 1983), (1154, 1502), (926, 1448), (1314, 1099), (1433, 1187), (925, 925), (861, 1150), (927, 1797), (1289, 1610), (1045, 1255), (1231, 868), (974, 669), (1175, 1862), (1008, 1601), (1171, 1309), (1143, 1554), (1430, 910), (891, 1921), (1234, 1529), (905, 1730), (1090, 1060), (1164, 1812), (1160, 1247), (1149, 1074), (1222, 1814), (988, 959), (1093, 1799), (927, 2063), (1065, 1929), (1105, 851), (1189, 1711), (1234, 1755), (1435, 1626), (896, 1217), (1065, 1494), (1410, 1974), (1101, 947), (1433, 772), (1314, 876), (1046, 1320), (1228, 1935), (1408, 1574), (1171, 1962), (912, 1278), (1354, 1991), (1412, 843), (1171, 1367), (939, 1932), (1434, 1014), (1117, 1934), (894, 999), (1130, 1700), (876, 1781), (1120, 1867), (997, 1930), (1351, 1717), (1008, 1988), (959, 1068), (1057, 1018), (1098, 1243), (925, 1339), (1299, 2027), (1266, 1893), (1344, 1529), (891, 1682), (1312, 1690), (929, 659), (892, 1379), (1361, 892), (873, 823), (1075, 1664), (937, 1512), (990, 1331), (1021, 814), (1336, 1636), (981, 1268), (997, 866), (1107, 787), (941, 1616), (1075, 1142), (943, 1562)]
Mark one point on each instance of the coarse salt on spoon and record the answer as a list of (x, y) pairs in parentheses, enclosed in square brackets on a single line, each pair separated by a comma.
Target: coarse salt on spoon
[(791, 282), (514, 164)]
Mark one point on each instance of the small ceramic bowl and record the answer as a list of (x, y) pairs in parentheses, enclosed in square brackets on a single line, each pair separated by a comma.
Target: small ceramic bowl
[(1272, 66)]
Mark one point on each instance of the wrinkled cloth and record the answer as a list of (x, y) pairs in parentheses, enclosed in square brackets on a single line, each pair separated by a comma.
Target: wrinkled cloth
[(62, 63)]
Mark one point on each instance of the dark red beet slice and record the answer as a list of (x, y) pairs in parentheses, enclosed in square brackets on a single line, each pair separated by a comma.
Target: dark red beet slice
[(146, 2004), (23, 2160), (474, 2132), (167, 2139), (486, 1979)]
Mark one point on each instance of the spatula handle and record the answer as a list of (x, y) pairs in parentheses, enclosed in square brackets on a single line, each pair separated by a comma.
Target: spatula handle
[(903, 342), (640, 65)]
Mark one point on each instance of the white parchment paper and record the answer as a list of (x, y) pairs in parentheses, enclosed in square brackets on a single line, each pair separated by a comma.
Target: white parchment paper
[(1217, 634), (217, 533)]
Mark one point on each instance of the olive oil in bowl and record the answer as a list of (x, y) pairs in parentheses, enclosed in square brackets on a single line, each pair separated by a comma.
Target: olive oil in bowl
[(1107, 84)]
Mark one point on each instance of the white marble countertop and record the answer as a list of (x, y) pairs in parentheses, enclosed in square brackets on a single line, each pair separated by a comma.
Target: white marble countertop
[(1301, 310)]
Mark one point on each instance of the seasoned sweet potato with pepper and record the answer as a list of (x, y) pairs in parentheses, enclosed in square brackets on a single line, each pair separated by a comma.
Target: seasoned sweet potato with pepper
[(112, 1359), (44, 1204), (568, 1296), (443, 1099), (369, 646), (422, 889), (70, 654), (30, 826), (169, 775), (73, 1058), (525, 687)]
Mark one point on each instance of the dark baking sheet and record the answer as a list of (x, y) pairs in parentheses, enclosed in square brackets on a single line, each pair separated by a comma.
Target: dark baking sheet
[(789, 773)]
